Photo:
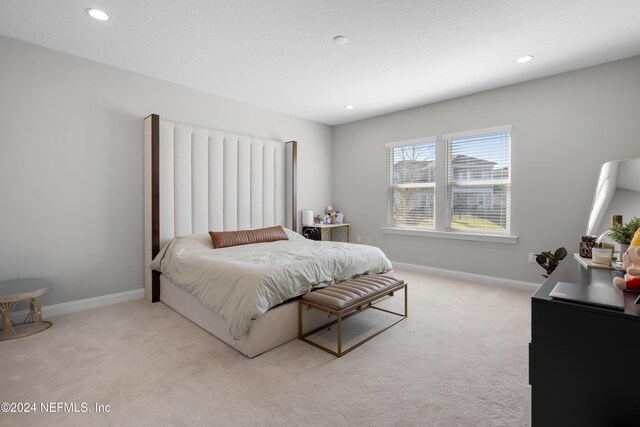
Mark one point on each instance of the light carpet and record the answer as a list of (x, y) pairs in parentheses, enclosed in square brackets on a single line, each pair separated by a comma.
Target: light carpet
[(459, 359)]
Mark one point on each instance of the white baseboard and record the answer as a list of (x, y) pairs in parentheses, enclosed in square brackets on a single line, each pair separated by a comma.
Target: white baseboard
[(85, 304), (469, 277)]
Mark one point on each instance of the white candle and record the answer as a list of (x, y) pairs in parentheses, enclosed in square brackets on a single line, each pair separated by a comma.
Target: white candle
[(601, 256)]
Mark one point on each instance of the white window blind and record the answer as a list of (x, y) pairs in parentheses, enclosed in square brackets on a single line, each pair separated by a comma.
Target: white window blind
[(479, 181), (411, 178)]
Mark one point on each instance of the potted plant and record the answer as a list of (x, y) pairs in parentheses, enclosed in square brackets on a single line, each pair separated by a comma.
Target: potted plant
[(623, 233), (549, 261)]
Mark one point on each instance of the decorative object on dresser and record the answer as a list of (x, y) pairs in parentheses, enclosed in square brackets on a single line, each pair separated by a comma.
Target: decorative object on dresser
[(588, 263), (587, 242), (631, 263), (623, 233), (347, 299), (32, 291), (602, 256), (549, 261)]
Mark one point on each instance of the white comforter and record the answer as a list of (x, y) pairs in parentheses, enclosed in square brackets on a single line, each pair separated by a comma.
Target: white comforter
[(241, 283)]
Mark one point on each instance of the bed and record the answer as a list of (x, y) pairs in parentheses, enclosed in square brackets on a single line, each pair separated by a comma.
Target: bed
[(199, 180)]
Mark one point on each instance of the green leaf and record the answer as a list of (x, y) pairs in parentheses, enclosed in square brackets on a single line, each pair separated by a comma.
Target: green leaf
[(560, 254)]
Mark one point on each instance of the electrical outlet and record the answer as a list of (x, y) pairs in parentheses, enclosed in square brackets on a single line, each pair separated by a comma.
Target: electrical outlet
[(532, 257), (358, 239)]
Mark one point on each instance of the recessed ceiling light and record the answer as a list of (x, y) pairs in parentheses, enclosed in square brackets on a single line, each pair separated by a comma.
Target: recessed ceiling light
[(340, 40), (525, 59), (349, 107), (98, 14)]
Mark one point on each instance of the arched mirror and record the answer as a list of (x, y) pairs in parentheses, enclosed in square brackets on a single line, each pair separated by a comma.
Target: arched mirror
[(617, 193)]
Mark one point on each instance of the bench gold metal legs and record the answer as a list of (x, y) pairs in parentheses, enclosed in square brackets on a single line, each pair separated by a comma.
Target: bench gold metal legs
[(347, 312)]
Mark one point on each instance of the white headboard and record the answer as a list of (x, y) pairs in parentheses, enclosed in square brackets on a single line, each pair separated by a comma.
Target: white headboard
[(199, 180)]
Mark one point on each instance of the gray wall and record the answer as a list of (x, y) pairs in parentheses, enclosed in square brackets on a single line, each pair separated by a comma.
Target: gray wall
[(564, 128), (71, 170)]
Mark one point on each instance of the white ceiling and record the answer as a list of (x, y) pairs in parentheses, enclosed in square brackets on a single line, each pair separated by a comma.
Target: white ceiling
[(279, 54)]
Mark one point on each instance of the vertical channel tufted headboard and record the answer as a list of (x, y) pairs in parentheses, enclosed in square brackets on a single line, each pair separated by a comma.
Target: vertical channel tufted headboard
[(198, 180)]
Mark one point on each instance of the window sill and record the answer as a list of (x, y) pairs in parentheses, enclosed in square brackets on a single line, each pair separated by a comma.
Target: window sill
[(456, 235)]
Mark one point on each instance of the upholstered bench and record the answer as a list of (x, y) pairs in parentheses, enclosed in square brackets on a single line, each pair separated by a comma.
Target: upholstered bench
[(349, 298)]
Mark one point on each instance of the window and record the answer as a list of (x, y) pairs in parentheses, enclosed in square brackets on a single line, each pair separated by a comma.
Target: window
[(479, 181), (453, 185), (412, 181)]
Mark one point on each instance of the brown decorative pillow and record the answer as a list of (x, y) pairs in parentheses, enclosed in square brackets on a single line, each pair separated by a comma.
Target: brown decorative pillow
[(223, 239)]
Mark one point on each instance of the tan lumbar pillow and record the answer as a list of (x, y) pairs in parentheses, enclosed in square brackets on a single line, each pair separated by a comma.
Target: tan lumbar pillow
[(223, 239)]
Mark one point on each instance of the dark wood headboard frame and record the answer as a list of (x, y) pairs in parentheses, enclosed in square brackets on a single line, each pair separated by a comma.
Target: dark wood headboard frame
[(294, 185), (155, 203), (155, 197)]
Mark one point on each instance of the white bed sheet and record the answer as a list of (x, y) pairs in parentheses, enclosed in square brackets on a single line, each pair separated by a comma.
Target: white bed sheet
[(241, 283)]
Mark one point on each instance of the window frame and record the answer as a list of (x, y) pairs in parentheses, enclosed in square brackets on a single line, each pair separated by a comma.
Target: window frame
[(442, 225)]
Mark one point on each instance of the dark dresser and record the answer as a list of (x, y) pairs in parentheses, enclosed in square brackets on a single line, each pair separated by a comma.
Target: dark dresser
[(584, 361)]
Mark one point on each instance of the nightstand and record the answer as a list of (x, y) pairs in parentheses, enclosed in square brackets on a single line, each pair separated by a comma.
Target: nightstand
[(323, 232)]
